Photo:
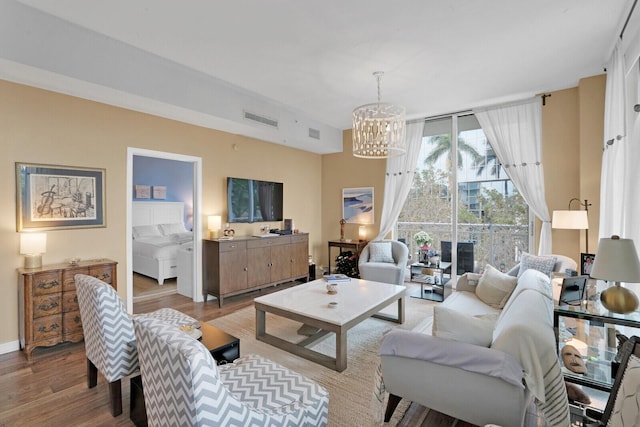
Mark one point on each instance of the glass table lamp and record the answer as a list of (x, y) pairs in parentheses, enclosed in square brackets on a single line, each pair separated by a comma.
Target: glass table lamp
[(617, 261)]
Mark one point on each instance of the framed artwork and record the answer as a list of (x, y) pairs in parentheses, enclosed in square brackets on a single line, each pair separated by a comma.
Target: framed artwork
[(586, 263), (50, 197), (159, 192), (143, 191), (357, 205)]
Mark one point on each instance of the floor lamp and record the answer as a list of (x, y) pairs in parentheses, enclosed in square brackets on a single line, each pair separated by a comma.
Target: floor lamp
[(573, 219)]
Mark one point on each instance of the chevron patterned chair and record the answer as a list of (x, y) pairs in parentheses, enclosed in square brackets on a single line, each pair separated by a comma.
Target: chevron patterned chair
[(109, 338), (184, 387)]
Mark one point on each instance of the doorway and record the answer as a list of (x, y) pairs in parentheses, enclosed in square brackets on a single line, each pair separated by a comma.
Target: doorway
[(192, 218)]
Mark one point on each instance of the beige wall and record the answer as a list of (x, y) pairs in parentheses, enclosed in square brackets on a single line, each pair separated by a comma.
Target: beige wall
[(42, 127), (38, 126), (343, 170), (572, 133)]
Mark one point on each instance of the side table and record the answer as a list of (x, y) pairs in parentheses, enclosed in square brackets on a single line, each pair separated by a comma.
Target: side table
[(600, 351), (434, 284), (224, 348), (356, 246)]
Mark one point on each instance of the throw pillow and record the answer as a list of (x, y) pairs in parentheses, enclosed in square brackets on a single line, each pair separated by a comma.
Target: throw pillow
[(143, 231), (543, 264), (175, 228), (380, 252), (454, 325), (495, 287)]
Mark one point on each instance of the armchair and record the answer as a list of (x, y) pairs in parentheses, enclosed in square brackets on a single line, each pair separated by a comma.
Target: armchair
[(109, 336), (184, 387), (384, 261)]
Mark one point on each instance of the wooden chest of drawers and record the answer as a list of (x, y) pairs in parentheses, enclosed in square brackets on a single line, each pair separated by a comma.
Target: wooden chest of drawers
[(48, 304)]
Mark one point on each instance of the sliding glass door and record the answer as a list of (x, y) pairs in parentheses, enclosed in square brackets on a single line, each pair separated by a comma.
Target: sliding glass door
[(461, 196)]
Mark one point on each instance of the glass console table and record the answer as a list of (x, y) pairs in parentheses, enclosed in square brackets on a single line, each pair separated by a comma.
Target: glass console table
[(433, 279), (592, 327)]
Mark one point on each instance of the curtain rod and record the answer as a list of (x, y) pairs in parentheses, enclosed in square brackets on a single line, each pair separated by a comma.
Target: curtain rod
[(467, 112), (624, 27)]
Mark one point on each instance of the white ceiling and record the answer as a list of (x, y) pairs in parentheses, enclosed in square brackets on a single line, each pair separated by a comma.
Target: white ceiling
[(317, 57)]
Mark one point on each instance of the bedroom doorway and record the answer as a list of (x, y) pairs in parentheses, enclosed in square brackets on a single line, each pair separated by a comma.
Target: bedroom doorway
[(186, 195)]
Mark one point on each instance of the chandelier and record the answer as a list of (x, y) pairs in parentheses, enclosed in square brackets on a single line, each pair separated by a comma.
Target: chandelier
[(379, 129)]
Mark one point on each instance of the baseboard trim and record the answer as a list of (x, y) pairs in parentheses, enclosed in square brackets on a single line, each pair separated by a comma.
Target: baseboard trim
[(8, 347)]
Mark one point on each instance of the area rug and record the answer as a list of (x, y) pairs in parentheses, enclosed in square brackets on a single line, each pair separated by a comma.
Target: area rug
[(351, 391)]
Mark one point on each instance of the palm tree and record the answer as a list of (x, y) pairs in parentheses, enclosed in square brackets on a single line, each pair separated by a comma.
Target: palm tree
[(443, 146), (490, 158)]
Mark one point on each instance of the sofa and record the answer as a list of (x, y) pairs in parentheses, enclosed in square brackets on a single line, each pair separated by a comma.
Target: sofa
[(486, 354)]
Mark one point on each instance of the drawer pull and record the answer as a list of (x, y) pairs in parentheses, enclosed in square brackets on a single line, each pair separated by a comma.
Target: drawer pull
[(77, 320), (104, 276), (44, 329), (75, 298), (45, 307), (48, 285)]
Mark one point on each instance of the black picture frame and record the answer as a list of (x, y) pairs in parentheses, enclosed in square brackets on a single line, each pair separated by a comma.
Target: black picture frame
[(52, 197), (573, 290), (586, 263)]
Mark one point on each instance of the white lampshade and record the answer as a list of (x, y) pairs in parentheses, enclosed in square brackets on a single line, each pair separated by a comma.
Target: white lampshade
[(215, 222), (32, 245), (214, 225), (362, 232), (570, 220), (616, 260)]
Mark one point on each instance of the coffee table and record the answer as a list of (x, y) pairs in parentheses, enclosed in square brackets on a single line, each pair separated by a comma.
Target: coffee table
[(309, 303)]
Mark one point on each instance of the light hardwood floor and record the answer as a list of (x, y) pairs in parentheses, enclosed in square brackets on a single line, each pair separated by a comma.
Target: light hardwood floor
[(51, 389)]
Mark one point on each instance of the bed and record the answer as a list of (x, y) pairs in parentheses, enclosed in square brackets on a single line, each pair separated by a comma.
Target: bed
[(158, 234)]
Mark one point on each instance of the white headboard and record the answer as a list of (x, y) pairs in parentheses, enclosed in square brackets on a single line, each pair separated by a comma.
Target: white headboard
[(150, 213)]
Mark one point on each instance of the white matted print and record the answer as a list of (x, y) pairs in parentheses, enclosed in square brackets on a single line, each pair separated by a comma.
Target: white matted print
[(357, 205)]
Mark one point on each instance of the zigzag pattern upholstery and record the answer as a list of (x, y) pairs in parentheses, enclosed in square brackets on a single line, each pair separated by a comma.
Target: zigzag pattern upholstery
[(109, 336), (183, 386)]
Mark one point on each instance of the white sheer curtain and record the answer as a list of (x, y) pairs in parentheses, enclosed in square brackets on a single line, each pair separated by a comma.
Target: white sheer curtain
[(514, 131), (613, 174), (631, 197), (397, 182)]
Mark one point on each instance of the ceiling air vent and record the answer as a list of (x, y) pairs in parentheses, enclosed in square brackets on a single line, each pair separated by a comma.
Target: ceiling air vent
[(314, 133), (260, 119)]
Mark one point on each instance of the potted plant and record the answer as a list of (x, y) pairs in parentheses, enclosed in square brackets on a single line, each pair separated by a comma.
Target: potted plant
[(427, 254), (423, 240)]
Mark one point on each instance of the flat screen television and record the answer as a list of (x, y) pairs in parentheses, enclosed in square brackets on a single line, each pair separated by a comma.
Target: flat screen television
[(251, 200)]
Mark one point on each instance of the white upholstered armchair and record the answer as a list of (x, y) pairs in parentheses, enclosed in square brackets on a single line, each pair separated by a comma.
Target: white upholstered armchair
[(384, 261), (184, 387), (109, 338)]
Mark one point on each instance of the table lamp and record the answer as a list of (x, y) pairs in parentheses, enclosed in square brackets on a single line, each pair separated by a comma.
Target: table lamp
[(32, 246), (362, 233), (617, 261), (214, 224)]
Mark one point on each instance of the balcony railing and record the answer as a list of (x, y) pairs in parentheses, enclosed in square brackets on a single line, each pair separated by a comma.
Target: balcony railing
[(498, 245)]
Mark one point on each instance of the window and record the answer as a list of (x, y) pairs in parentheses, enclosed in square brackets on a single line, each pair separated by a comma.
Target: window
[(490, 213)]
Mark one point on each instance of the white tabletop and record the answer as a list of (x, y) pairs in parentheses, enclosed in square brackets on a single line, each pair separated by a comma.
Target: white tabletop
[(354, 298)]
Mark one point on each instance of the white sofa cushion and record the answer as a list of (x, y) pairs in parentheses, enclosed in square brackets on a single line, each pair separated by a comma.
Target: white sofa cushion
[(495, 287), (446, 352), (456, 325), (469, 303), (380, 252)]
